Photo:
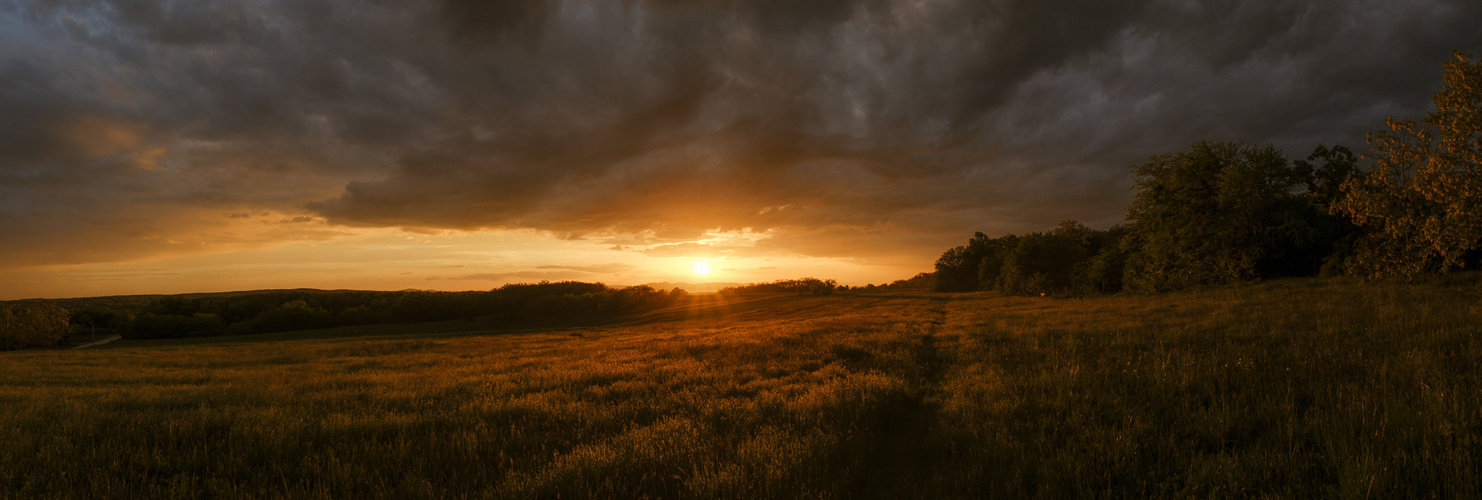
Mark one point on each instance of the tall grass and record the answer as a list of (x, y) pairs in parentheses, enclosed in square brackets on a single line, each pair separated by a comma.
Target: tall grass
[(1288, 389)]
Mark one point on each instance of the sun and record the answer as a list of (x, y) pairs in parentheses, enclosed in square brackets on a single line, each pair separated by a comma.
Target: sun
[(701, 268)]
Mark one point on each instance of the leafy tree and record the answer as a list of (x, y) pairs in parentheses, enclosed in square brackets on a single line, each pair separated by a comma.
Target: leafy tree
[(1043, 262), (1102, 271), (1219, 213), (1420, 202), (1035, 263), (975, 266), (1325, 179), (1325, 172), (32, 325), (995, 252), (957, 270)]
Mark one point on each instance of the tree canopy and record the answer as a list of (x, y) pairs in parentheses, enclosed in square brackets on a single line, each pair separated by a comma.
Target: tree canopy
[(1419, 201), (1225, 212), (36, 324), (1220, 212)]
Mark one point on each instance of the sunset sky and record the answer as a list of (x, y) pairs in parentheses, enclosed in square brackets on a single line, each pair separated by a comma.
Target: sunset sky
[(192, 146)]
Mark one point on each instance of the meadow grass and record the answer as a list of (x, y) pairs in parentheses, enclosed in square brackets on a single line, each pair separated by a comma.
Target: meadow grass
[(1299, 388)]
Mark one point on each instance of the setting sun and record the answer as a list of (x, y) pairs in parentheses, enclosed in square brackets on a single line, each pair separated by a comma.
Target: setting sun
[(701, 268)]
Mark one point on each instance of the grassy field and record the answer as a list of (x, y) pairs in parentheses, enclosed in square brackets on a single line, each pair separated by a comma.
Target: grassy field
[(1302, 388)]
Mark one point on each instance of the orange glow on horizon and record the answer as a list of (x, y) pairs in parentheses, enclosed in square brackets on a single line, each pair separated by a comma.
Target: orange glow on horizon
[(329, 258)]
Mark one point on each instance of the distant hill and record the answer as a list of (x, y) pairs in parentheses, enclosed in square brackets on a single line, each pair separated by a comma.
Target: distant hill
[(694, 287), (140, 300), (136, 301)]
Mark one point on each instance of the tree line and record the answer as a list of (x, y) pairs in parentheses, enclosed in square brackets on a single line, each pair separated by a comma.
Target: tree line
[(45, 323), (37, 323), (287, 310), (1228, 212), (802, 286)]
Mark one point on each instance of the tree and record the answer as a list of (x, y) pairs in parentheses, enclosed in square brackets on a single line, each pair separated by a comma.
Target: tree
[(157, 326), (1222, 212), (991, 265), (1325, 171), (1044, 262), (292, 315), (32, 325), (1419, 201), (1102, 271), (957, 270)]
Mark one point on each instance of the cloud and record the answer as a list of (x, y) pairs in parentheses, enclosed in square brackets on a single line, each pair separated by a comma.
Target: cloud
[(873, 129), (532, 275), (571, 272), (612, 268)]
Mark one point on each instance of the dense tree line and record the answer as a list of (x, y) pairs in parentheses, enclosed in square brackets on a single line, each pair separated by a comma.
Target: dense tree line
[(1070, 258), (803, 286), (1227, 212), (921, 281), (276, 311)]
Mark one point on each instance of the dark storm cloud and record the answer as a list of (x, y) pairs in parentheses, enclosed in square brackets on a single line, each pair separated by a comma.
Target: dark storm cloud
[(870, 127)]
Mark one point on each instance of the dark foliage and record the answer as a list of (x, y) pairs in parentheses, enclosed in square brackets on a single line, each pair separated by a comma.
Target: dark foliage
[(1231, 212), (152, 326), (804, 286), (1044, 263), (1218, 213), (287, 310), (921, 281), (32, 324), (1069, 259)]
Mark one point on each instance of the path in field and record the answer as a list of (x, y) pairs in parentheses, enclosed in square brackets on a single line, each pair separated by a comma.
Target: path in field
[(100, 342), (907, 457)]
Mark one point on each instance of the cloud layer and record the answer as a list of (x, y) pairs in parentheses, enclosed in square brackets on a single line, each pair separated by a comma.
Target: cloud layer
[(867, 129)]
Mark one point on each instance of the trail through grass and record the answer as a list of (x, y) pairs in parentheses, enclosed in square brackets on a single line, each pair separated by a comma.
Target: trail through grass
[(1289, 389)]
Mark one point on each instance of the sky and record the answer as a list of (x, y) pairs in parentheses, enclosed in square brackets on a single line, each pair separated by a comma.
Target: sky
[(196, 146)]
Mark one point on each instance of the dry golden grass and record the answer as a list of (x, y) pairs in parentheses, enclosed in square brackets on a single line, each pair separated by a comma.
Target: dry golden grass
[(1294, 388)]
